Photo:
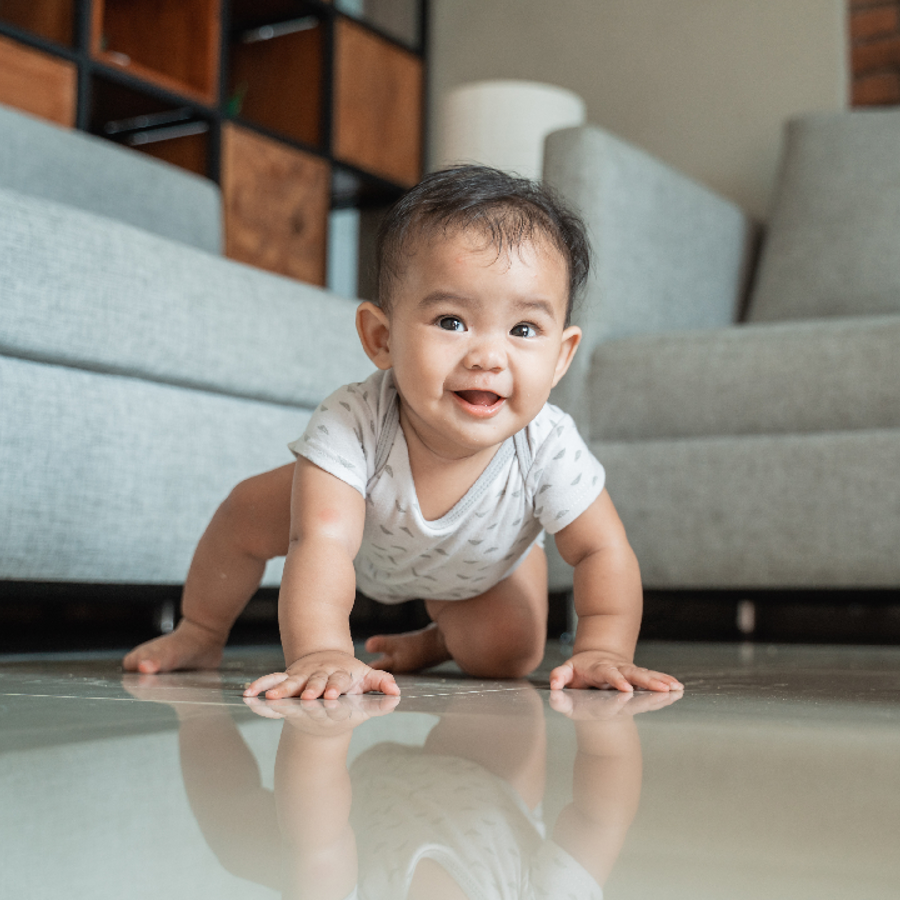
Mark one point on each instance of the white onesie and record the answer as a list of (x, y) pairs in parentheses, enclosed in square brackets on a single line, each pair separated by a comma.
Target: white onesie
[(542, 478)]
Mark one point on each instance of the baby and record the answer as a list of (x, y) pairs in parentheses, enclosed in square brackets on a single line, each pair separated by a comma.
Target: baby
[(436, 477)]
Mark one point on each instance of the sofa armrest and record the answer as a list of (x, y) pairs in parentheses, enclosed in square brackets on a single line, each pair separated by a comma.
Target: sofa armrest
[(80, 290), (669, 254)]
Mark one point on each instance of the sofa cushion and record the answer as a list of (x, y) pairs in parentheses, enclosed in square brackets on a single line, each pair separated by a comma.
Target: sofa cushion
[(91, 173), (114, 479), (770, 511), (82, 290), (783, 378), (832, 243)]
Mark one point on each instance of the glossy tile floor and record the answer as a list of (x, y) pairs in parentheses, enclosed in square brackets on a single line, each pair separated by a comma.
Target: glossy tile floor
[(776, 774)]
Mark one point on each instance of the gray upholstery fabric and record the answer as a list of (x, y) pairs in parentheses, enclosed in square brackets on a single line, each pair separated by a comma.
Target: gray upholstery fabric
[(819, 510), (141, 377), (91, 173), (763, 455), (669, 254), (798, 377), (832, 243), (113, 479), (90, 292)]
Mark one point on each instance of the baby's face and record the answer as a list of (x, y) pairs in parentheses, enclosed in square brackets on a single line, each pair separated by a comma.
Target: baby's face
[(477, 340)]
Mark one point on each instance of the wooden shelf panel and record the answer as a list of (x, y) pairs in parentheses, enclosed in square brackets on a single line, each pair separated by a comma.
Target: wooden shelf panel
[(50, 19), (172, 43), (189, 151), (276, 202), (150, 125), (401, 19), (278, 83), (377, 105), (37, 83)]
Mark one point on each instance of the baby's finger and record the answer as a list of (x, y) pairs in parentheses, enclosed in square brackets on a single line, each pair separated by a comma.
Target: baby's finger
[(264, 683), (378, 680), (313, 687), (561, 676), (337, 684), (654, 681), (612, 676)]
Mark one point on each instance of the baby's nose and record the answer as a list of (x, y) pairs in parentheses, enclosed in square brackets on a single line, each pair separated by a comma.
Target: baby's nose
[(486, 352)]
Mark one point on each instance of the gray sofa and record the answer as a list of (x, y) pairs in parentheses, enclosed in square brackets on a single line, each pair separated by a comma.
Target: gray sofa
[(764, 454), (141, 373)]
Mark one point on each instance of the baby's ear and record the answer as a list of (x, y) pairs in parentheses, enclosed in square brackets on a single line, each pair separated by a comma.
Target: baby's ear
[(570, 340), (374, 329)]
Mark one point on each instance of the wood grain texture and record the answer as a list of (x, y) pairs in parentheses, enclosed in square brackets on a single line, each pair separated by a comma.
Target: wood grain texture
[(276, 205), (37, 83), (377, 105), (280, 84), (51, 19), (174, 43), (190, 152)]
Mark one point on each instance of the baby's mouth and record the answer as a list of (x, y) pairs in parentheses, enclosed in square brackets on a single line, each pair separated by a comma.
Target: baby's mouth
[(479, 398)]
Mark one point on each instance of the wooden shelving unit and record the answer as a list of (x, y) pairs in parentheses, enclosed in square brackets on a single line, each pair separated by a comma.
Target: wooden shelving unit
[(174, 43), (377, 105), (53, 20), (37, 82), (294, 107), (266, 226)]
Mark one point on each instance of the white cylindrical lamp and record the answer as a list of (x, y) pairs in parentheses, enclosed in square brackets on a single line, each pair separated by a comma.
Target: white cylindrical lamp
[(503, 123)]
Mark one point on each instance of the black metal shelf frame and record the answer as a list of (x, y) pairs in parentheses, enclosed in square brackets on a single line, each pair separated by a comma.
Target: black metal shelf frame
[(352, 186)]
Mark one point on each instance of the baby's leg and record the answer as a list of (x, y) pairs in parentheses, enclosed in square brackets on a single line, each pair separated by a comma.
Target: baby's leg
[(499, 634), (251, 527)]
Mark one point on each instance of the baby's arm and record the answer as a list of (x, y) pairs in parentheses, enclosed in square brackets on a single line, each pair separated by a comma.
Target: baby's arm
[(609, 603), (317, 593)]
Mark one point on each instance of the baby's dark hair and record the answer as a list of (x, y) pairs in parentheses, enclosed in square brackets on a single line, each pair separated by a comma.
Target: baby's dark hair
[(507, 210)]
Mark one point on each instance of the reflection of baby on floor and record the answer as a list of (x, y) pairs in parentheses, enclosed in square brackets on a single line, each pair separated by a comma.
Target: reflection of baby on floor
[(456, 819), (463, 813), (419, 812)]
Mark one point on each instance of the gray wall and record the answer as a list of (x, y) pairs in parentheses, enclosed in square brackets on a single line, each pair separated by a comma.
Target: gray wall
[(704, 84)]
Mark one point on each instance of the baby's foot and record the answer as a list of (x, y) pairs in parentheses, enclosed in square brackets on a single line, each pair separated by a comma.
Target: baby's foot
[(408, 652), (189, 646)]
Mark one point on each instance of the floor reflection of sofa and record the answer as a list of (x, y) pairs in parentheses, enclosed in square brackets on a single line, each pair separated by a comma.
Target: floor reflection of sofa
[(764, 454)]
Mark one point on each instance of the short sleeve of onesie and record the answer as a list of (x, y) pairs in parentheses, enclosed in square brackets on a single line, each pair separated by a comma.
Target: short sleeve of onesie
[(564, 477), (341, 436)]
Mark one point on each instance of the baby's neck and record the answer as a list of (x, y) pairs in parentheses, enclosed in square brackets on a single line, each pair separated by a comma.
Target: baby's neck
[(441, 481)]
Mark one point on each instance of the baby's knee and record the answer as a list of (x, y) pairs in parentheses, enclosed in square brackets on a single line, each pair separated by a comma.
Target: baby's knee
[(522, 661), (241, 502), (509, 655), (255, 520)]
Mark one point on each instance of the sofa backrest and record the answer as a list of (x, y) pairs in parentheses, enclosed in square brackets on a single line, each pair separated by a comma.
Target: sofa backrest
[(668, 253), (93, 174), (833, 242)]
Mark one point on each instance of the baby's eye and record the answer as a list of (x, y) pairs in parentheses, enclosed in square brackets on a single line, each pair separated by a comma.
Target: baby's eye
[(524, 329), (451, 323)]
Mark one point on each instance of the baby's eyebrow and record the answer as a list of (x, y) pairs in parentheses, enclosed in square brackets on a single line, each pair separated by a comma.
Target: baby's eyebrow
[(437, 298), (542, 306)]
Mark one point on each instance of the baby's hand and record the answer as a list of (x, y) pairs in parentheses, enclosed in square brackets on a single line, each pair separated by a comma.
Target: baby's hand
[(325, 673), (593, 668)]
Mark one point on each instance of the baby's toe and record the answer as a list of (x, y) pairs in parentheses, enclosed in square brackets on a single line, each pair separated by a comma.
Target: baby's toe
[(148, 666)]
